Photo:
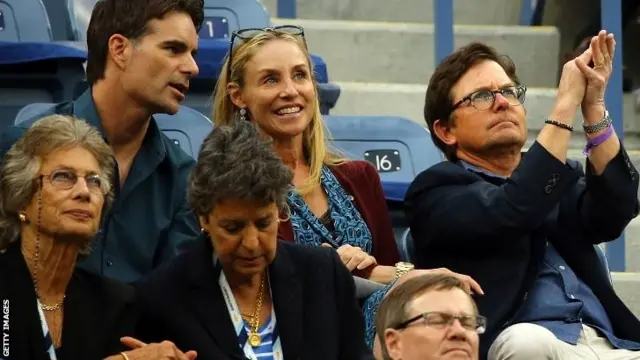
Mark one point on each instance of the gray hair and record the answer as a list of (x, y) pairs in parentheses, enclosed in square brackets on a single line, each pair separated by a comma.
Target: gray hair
[(237, 162), (21, 165)]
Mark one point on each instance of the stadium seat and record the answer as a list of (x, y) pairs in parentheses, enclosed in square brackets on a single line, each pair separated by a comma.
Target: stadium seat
[(399, 148), (24, 20), (188, 128), (605, 264), (63, 25), (405, 246), (222, 17), (37, 72)]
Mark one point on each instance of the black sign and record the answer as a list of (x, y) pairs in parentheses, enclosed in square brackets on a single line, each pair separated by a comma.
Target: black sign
[(384, 160), (1, 21), (214, 27)]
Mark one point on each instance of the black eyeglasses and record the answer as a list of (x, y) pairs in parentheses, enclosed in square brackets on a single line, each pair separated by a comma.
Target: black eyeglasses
[(484, 99), (246, 34), (66, 179), (440, 320)]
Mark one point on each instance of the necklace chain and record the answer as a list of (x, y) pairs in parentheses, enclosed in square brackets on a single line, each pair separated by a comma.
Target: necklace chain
[(255, 317), (43, 306)]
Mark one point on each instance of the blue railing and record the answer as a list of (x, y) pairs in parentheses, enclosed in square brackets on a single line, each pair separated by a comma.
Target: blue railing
[(611, 21)]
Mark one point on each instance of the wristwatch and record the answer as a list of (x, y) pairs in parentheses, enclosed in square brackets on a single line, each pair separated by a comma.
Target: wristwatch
[(402, 268)]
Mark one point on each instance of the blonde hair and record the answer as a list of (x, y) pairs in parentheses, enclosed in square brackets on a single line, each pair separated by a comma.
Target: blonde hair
[(315, 137), (22, 163)]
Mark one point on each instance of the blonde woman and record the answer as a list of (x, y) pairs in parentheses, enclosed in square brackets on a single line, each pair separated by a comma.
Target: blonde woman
[(268, 79)]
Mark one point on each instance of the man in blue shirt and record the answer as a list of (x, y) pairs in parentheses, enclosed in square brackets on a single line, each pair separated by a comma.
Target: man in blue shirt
[(140, 60), (525, 225)]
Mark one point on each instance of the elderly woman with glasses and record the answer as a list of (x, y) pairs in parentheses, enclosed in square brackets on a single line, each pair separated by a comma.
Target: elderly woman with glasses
[(54, 190), (239, 292), (268, 79)]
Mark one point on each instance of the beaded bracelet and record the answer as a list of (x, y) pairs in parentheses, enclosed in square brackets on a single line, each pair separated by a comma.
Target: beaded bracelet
[(559, 124)]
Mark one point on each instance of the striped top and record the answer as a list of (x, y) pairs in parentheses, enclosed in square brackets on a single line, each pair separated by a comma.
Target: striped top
[(268, 334)]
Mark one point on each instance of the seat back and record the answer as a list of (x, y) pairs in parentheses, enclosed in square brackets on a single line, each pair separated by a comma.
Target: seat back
[(37, 73), (78, 16), (222, 17), (406, 247), (399, 148), (187, 128), (62, 19), (603, 260), (24, 20)]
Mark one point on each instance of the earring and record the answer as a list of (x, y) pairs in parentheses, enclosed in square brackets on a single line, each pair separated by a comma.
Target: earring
[(243, 114), (22, 217), (202, 230)]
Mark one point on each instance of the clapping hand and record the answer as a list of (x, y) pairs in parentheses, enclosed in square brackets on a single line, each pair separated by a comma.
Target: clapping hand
[(602, 49)]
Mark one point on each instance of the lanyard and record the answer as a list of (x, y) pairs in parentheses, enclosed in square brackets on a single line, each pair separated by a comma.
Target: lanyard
[(240, 327), (47, 335)]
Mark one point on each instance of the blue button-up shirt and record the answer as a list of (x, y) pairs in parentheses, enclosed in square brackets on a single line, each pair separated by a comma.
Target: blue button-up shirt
[(560, 301)]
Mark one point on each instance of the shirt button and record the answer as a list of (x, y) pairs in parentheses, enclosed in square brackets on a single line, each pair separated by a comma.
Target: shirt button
[(572, 297), (109, 263), (561, 267)]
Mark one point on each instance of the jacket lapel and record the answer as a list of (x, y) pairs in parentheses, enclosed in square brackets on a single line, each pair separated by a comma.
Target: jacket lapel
[(205, 297), (286, 291), (26, 339), (89, 320)]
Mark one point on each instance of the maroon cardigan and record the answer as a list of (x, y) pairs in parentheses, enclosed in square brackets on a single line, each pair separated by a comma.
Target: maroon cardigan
[(361, 180)]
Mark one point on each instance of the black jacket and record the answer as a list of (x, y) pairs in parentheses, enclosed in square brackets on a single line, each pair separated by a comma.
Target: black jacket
[(313, 294), (97, 313)]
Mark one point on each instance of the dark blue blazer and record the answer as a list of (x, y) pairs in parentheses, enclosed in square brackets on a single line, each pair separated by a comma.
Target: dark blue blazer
[(495, 230)]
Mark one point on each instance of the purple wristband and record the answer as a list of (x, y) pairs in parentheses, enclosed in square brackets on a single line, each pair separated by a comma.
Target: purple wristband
[(598, 140)]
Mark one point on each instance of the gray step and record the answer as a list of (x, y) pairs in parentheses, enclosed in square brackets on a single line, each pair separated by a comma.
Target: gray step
[(627, 286), (486, 12), (632, 238), (407, 100), (404, 53)]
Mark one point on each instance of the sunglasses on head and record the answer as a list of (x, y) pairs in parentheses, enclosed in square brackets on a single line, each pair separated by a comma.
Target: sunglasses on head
[(247, 34)]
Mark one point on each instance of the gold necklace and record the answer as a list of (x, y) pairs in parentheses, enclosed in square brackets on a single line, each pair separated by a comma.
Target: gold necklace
[(254, 337)]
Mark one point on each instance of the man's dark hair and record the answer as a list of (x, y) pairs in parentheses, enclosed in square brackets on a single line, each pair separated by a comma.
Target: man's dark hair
[(394, 309), (439, 102), (130, 18)]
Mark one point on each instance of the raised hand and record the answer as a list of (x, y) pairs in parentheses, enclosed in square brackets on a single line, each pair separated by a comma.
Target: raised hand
[(573, 83), (602, 49)]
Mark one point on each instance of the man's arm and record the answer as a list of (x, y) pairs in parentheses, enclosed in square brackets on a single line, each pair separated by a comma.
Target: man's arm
[(608, 201), (183, 230)]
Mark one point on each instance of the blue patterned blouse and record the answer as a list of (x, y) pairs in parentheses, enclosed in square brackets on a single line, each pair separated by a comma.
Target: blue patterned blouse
[(342, 224)]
